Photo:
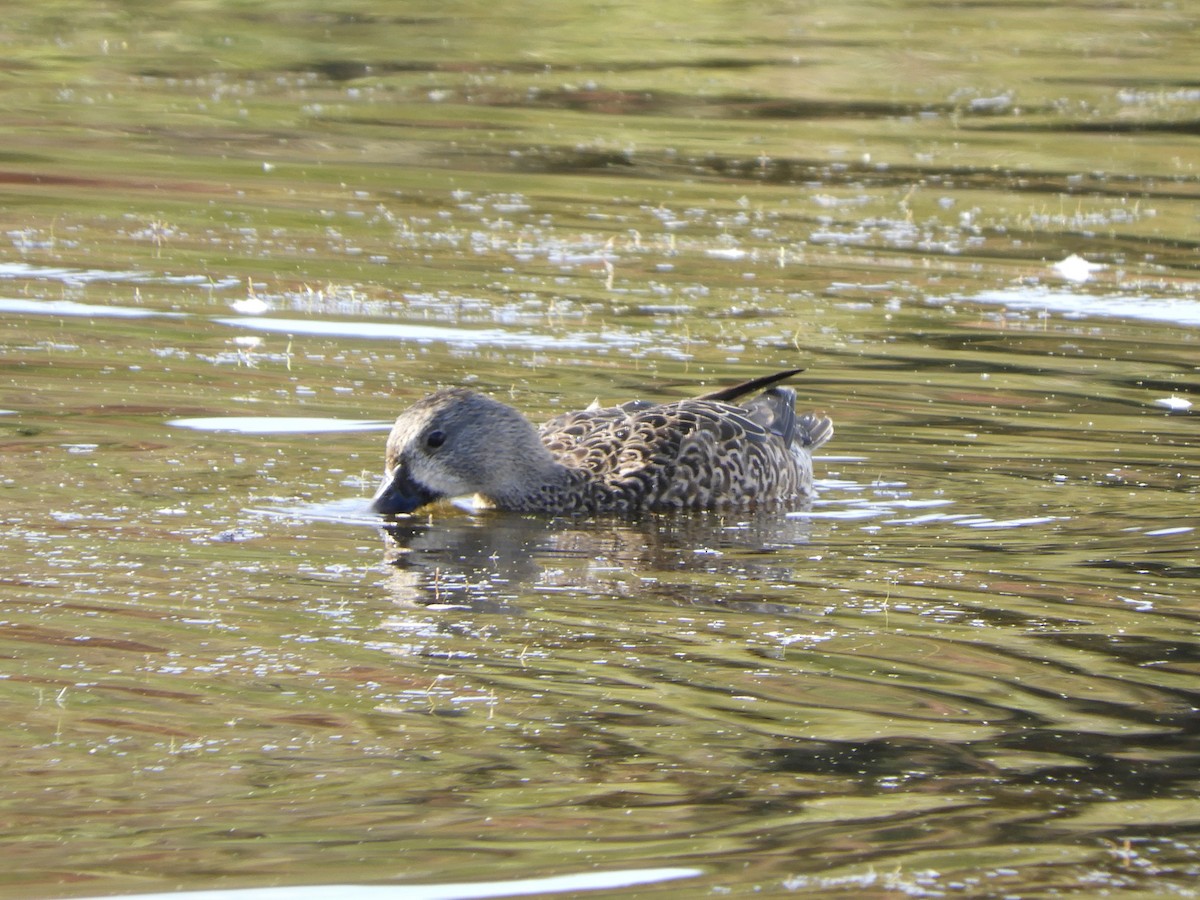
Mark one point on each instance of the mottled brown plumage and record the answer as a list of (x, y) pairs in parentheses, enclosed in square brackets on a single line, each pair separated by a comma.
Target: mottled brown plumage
[(708, 452)]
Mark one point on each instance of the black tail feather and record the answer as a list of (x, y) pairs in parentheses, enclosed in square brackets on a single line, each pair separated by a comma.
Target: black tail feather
[(761, 383)]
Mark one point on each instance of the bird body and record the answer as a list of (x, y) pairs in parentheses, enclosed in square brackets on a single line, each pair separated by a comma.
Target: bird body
[(715, 451)]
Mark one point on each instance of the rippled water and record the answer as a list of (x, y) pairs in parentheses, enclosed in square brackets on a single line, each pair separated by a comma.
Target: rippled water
[(240, 239)]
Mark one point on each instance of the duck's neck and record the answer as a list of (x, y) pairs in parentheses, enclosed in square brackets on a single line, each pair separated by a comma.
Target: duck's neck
[(528, 483), (546, 484)]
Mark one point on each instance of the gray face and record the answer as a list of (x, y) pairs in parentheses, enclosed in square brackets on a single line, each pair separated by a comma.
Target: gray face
[(450, 444)]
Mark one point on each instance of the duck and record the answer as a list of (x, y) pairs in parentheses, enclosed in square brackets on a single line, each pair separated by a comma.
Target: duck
[(738, 447)]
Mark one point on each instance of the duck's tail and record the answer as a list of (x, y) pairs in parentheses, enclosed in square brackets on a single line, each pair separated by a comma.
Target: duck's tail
[(812, 430), (776, 409)]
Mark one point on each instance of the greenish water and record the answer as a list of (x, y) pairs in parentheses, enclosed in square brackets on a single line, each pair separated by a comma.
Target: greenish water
[(971, 669)]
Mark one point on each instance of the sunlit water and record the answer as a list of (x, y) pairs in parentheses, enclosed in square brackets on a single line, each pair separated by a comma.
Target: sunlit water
[(237, 247)]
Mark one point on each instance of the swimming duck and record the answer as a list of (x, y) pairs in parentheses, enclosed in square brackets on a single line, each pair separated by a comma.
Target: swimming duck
[(712, 451)]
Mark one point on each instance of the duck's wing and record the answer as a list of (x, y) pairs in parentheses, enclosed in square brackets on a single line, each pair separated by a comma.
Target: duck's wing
[(688, 454), (639, 432), (593, 432), (773, 412), (710, 452), (598, 432)]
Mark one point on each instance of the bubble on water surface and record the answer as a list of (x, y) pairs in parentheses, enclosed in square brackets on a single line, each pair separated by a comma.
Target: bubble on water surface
[(1076, 268), (494, 337), (1180, 311), (251, 306), (347, 511), (71, 308), (582, 881), (1173, 403), (279, 424), (62, 273)]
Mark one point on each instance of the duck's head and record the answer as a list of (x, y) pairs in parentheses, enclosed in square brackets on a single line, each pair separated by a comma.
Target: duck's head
[(457, 443)]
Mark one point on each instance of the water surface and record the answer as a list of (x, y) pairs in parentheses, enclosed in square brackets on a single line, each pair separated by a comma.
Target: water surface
[(240, 239)]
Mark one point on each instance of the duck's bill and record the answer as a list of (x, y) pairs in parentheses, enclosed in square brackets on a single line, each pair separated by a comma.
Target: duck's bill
[(400, 494)]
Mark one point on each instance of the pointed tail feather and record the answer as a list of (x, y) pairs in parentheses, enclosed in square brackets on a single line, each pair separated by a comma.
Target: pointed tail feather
[(761, 383)]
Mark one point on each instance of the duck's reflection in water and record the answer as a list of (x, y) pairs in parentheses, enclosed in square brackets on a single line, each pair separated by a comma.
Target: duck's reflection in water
[(490, 562)]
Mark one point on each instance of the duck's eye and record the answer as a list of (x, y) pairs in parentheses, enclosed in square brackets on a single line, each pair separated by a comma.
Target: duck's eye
[(435, 439)]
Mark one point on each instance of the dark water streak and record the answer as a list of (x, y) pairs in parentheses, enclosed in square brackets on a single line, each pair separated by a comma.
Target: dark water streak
[(969, 669)]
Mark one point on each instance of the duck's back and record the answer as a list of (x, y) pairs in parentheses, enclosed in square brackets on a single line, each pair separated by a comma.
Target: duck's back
[(691, 454)]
